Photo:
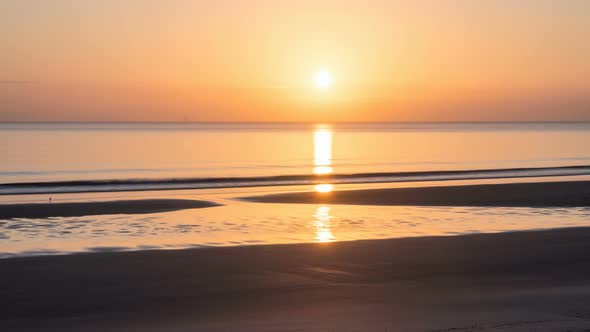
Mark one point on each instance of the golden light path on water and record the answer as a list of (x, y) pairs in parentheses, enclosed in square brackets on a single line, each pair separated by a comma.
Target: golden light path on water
[(324, 187), (322, 142), (323, 231)]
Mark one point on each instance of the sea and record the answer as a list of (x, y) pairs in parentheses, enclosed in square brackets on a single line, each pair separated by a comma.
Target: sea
[(81, 157), (222, 162)]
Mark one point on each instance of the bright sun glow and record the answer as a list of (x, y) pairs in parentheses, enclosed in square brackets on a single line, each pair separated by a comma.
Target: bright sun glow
[(323, 79), (324, 188)]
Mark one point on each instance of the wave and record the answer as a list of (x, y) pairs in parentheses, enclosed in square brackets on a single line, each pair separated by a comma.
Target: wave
[(283, 180)]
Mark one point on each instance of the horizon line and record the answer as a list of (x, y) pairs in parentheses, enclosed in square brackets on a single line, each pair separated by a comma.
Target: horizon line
[(298, 122)]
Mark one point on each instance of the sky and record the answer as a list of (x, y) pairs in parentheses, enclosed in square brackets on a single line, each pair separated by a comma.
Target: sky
[(255, 60)]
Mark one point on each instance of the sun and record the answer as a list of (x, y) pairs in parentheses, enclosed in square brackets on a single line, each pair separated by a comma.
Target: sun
[(323, 79)]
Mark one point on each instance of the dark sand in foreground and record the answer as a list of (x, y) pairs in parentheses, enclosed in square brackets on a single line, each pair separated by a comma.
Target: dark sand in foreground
[(543, 194), (77, 209), (523, 281)]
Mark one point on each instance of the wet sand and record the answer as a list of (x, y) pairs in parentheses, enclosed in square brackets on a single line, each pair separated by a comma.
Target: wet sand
[(523, 281), (543, 194), (78, 209)]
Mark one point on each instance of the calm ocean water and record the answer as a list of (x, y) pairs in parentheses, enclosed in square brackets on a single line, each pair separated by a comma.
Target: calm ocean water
[(116, 157), (50, 152)]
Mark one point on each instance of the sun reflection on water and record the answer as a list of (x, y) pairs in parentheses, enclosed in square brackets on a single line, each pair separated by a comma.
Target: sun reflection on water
[(322, 143), (323, 231), (324, 188)]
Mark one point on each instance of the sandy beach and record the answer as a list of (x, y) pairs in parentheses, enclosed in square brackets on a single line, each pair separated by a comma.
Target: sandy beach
[(523, 281), (540, 194), (77, 209)]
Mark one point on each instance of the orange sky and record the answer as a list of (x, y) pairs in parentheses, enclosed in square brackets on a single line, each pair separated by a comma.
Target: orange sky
[(439, 60)]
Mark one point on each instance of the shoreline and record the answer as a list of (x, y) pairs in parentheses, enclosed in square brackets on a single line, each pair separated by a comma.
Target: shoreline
[(150, 249), (116, 249), (88, 186), (78, 209), (532, 194), (409, 284)]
